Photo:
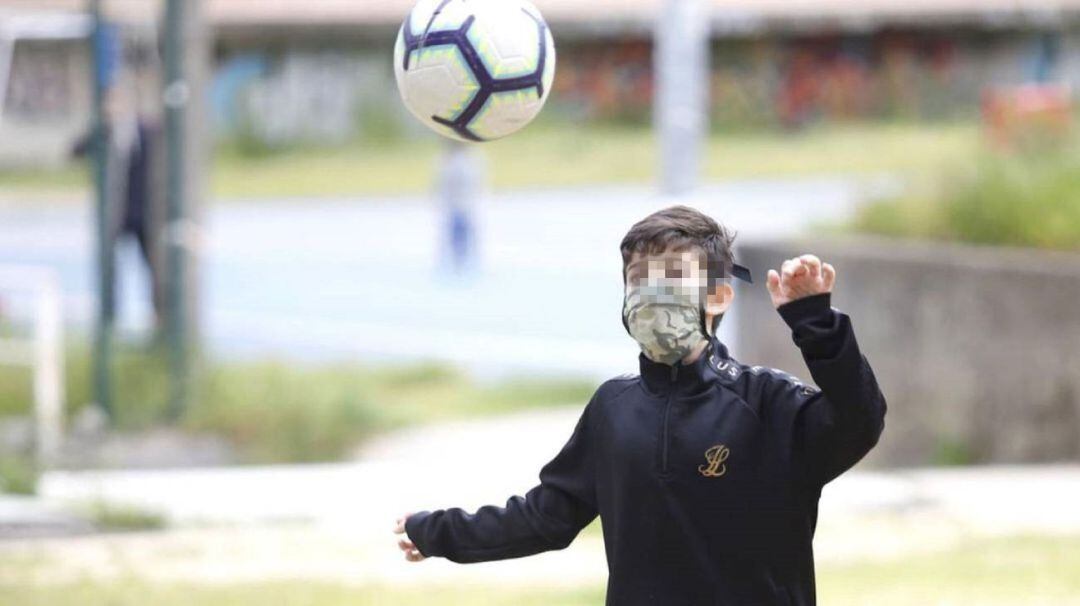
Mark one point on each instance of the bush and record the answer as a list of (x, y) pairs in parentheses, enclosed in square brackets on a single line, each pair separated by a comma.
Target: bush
[(18, 474), (1014, 200), (283, 411), (111, 517), (276, 412)]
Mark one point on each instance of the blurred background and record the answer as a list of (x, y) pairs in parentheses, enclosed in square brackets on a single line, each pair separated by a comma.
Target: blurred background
[(251, 311)]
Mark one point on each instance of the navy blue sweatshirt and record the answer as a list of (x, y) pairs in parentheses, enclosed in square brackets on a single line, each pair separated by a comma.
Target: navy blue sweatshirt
[(706, 476)]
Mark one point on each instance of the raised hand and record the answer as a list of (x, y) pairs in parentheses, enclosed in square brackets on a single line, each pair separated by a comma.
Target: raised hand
[(800, 277), (412, 554)]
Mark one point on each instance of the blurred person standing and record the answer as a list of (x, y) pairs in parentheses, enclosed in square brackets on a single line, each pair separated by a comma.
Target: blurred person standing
[(460, 186), (135, 185)]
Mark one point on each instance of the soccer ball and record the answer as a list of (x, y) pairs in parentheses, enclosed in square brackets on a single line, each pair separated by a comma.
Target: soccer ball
[(474, 70)]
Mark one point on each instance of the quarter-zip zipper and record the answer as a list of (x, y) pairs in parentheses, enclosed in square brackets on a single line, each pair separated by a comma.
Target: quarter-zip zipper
[(667, 412)]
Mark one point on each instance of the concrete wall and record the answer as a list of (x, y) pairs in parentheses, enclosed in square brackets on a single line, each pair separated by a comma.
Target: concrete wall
[(46, 104), (977, 350)]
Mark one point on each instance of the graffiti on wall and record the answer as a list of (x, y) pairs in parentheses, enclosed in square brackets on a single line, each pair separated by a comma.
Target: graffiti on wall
[(796, 81), (40, 85), (301, 96), (330, 96)]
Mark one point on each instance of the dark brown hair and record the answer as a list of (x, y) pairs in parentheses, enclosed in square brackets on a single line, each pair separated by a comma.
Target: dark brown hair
[(681, 228)]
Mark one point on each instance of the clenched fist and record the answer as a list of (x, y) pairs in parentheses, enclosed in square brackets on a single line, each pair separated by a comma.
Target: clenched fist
[(800, 277), (412, 554)]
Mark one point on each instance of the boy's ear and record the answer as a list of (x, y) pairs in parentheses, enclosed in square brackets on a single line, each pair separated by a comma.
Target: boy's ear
[(719, 299)]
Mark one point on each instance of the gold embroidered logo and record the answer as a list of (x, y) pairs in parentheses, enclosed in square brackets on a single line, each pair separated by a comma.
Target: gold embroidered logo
[(716, 457)]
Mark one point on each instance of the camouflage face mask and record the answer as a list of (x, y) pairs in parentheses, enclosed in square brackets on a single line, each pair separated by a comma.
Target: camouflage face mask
[(664, 316)]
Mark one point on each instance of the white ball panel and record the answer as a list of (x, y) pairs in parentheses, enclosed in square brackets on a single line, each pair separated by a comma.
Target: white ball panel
[(437, 83), (507, 40), (450, 17), (506, 113)]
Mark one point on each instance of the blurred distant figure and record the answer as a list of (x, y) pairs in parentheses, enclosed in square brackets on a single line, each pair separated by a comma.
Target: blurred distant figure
[(134, 185), (460, 185)]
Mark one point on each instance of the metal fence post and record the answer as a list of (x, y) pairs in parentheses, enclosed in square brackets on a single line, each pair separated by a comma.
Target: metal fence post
[(48, 371), (184, 58), (100, 154), (681, 66)]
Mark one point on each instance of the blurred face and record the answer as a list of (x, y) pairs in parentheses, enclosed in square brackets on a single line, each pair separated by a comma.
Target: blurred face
[(669, 271), (665, 297), (672, 273)]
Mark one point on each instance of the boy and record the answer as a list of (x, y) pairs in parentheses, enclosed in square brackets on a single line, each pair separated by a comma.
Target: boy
[(706, 472)]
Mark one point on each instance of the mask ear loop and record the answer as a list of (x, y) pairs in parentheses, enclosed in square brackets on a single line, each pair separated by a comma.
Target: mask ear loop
[(622, 312), (738, 272), (701, 313), (710, 282)]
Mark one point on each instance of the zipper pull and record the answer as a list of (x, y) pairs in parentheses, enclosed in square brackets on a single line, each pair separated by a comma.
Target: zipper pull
[(674, 371)]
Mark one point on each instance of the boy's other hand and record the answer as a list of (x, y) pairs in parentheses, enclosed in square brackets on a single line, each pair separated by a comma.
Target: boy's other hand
[(412, 554), (803, 276)]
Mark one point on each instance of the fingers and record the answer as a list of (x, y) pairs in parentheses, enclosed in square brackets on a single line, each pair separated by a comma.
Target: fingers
[(399, 524), (787, 269), (772, 283), (812, 264), (805, 265), (799, 277), (828, 276), (412, 554)]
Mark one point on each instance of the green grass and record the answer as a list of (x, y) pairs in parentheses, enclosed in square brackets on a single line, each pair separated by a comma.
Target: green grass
[(560, 155), (276, 411), (909, 149), (281, 412), (68, 178), (1006, 572), (122, 518), (1012, 571), (550, 156), (18, 474)]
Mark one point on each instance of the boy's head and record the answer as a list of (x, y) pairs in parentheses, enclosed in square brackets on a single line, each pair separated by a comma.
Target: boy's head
[(675, 268)]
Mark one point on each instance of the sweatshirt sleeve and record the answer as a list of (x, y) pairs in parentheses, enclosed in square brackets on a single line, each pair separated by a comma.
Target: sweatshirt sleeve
[(548, 517), (836, 426)]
